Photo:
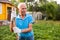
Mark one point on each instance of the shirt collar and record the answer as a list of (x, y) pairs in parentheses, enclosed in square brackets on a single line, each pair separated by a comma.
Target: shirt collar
[(21, 18)]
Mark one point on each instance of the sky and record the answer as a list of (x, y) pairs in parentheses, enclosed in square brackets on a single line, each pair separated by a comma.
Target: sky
[(58, 1)]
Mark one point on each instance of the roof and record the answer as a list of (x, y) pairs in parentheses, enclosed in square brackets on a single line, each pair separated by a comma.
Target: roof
[(7, 2)]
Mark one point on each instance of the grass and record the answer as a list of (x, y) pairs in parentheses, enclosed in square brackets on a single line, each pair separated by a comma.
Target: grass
[(43, 30), (5, 33), (47, 30)]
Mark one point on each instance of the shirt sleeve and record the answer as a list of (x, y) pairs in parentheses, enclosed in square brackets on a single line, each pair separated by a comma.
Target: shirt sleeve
[(30, 20)]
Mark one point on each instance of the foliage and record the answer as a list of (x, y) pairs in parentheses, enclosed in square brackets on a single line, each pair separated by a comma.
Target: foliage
[(5, 33), (50, 8), (30, 8), (58, 13), (21, 0), (47, 30), (43, 30)]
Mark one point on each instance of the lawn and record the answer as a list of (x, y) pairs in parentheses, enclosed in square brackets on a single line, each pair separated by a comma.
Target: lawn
[(43, 30)]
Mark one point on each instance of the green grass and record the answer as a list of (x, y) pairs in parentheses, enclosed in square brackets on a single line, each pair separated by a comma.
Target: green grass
[(47, 30), (43, 30), (5, 33)]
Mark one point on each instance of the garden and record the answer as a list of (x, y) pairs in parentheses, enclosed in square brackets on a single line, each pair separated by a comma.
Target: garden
[(43, 30)]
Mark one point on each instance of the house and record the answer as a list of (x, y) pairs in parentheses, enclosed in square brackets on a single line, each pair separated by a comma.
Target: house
[(6, 8)]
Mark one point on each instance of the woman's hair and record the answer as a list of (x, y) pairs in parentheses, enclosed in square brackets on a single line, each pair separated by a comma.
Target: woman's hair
[(13, 22), (13, 19)]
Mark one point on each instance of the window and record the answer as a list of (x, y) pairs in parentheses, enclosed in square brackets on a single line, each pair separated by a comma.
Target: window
[(0, 8)]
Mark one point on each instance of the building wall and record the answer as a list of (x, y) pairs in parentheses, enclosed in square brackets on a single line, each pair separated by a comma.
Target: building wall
[(3, 14)]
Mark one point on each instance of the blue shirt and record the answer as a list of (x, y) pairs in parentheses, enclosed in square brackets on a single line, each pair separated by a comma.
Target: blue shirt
[(23, 24)]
